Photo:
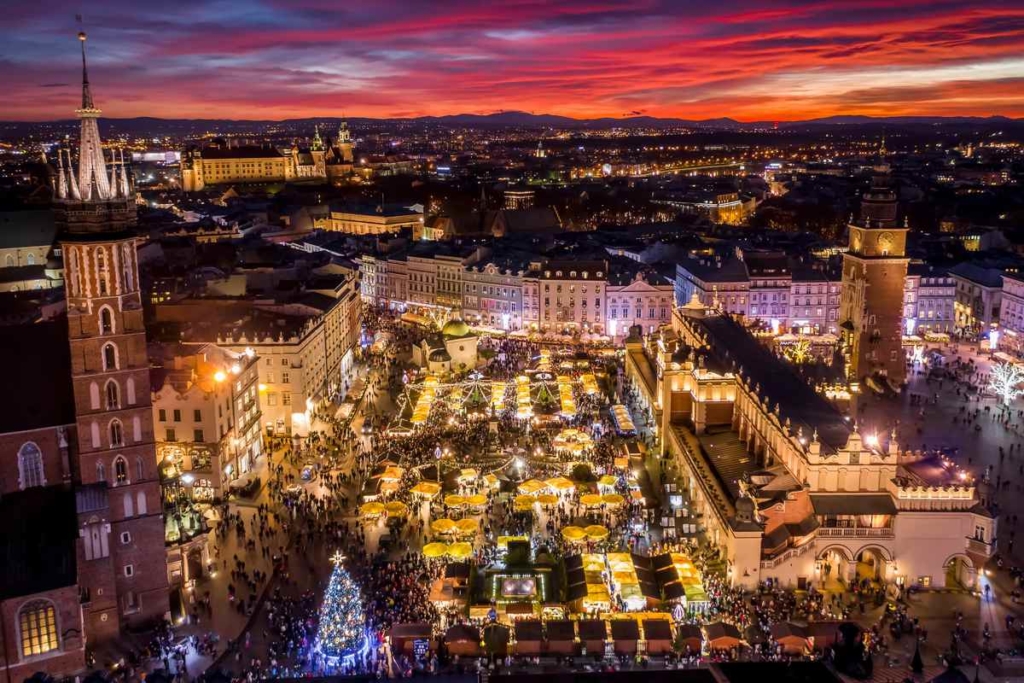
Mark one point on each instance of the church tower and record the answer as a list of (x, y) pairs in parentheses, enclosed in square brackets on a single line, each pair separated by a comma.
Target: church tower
[(874, 273), (122, 562), (345, 144)]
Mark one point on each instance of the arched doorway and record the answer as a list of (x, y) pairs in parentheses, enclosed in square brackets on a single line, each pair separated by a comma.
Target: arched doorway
[(832, 568), (960, 572), (872, 564)]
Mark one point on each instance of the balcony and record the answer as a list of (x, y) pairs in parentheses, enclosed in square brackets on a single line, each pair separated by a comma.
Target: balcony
[(980, 547), (855, 532)]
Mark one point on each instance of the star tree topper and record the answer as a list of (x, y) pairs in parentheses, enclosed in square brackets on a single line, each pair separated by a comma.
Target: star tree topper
[(337, 558)]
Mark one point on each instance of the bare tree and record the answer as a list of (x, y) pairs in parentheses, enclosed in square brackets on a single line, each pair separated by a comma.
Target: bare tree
[(1005, 380)]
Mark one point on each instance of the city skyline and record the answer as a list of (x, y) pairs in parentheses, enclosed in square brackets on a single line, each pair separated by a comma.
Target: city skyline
[(745, 60)]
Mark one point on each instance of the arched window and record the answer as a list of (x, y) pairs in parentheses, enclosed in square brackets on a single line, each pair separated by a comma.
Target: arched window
[(9, 261), (120, 470), (94, 430), (126, 267), (129, 509), (130, 390), (109, 357), (139, 469), (101, 271), (136, 429), (101, 471), (106, 320), (116, 433), (30, 260), (140, 499), (37, 627), (30, 466), (94, 396), (113, 395)]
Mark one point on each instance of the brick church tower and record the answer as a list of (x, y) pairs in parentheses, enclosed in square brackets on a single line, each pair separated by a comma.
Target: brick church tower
[(874, 273), (122, 566)]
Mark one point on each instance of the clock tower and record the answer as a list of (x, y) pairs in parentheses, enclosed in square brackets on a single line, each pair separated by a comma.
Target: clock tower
[(874, 273)]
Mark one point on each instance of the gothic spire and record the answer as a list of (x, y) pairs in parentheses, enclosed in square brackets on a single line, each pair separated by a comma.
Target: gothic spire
[(92, 179), (86, 92)]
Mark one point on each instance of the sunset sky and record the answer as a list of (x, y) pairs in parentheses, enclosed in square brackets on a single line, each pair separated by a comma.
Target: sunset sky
[(391, 58)]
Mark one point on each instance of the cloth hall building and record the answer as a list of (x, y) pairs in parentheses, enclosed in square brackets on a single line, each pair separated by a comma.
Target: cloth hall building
[(784, 484)]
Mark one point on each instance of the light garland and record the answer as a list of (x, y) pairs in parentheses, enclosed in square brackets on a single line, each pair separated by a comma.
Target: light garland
[(341, 631)]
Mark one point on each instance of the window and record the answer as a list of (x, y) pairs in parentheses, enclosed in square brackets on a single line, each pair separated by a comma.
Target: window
[(30, 466), (129, 570), (113, 399), (101, 268), (106, 321), (284, 362), (109, 357), (140, 469), (271, 399), (126, 537), (197, 435), (101, 472), (120, 470), (286, 398), (162, 415), (171, 435), (177, 415), (116, 434), (37, 623), (197, 415), (284, 378)]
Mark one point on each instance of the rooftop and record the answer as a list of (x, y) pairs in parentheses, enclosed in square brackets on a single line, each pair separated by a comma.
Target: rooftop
[(19, 229), (41, 373), (37, 540), (736, 348)]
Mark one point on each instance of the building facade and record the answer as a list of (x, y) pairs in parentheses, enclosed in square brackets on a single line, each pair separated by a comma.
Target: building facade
[(1011, 314), (39, 596), (493, 297), (572, 297), (378, 220), (643, 301), (929, 296), (979, 292), (206, 413)]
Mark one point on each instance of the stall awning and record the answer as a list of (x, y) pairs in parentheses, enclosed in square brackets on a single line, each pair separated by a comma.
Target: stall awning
[(853, 504)]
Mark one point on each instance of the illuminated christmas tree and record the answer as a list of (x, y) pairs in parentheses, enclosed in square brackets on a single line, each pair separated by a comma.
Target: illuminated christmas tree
[(341, 633)]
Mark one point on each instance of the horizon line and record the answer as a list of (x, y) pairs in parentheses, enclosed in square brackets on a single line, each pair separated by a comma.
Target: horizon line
[(873, 117)]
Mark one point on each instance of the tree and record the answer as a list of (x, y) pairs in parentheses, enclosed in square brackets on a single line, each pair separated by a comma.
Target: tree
[(341, 631), (1005, 380)]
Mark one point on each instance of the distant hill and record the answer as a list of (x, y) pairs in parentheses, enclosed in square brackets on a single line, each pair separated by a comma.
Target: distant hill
[(505, 119)]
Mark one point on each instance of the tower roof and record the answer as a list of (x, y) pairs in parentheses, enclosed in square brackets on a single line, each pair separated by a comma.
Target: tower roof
[(95, 181)]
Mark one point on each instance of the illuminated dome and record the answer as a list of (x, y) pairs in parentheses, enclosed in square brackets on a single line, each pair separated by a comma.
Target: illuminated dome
[(455, 328)]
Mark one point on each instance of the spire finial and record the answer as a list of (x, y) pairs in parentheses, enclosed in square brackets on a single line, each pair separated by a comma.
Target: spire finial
[(86, 92)]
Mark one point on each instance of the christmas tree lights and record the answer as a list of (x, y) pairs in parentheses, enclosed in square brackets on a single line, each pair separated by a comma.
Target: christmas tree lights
[(341, 633)]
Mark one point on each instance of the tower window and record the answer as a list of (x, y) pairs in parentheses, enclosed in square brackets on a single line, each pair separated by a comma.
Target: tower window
[(113, 395), (116, 433), (109, 357), (106, 321), (120, 470)]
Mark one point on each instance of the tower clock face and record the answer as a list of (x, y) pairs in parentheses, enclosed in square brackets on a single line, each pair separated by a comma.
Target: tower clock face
[(885, 241)]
